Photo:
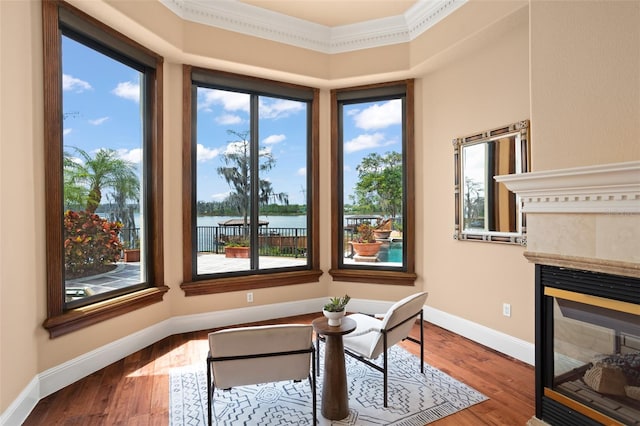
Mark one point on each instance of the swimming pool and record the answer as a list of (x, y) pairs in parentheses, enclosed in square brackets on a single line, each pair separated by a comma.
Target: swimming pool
[(391, 252)]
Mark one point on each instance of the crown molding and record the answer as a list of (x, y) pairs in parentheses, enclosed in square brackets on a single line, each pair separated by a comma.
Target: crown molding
[(233, 15), (606, 188)]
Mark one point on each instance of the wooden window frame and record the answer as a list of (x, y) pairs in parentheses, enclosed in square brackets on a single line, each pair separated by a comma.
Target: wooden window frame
[(61, 321), (250, 280), (363, 274)]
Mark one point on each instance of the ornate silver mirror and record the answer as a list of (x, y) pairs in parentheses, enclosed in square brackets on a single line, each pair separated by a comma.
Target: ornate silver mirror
[(486, 210)]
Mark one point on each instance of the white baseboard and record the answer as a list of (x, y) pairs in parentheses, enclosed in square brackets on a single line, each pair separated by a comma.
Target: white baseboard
[(21, 407), (501, 342), (58, 377), (62, 375)]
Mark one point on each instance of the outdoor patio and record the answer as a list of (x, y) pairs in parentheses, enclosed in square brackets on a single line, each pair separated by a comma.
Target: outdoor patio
[(127, 274)]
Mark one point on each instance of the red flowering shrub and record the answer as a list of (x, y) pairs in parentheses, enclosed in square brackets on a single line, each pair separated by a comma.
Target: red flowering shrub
[(90, 243)]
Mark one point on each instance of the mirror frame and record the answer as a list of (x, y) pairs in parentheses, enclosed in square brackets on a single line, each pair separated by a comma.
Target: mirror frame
[(521, 129)]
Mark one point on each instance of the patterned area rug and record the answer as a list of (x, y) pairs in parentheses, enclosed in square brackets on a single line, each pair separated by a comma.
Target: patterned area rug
[(415, 399)]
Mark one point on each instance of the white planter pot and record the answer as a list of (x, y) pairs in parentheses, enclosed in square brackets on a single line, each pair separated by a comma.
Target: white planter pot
[(335, 318)]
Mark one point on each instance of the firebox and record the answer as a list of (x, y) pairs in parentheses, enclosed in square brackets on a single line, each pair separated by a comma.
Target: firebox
[(587, 347)]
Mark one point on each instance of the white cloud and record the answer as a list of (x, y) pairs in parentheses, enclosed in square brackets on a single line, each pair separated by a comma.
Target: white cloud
[(366, 141), (379, 116), (279, 108), (273, 139), (66, 131), (230, 101), (98, 121), (236, 148), (70, 83), (220, 196), (474, 162), (206, 154), (228, 119), (302, 171), (133, 156), (265, 151), (76, 160), (128, 90)]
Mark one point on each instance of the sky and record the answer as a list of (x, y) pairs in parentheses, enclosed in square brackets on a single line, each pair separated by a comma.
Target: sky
[(101, 103)]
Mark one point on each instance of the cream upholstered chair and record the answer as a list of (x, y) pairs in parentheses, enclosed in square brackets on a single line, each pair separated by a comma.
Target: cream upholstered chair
[(262, 354), (374, 335)]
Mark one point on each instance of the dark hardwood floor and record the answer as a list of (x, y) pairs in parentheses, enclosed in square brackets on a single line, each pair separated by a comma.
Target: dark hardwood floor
[(135, 390)]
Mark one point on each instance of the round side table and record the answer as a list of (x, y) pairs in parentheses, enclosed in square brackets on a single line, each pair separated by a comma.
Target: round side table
[(335, 398)]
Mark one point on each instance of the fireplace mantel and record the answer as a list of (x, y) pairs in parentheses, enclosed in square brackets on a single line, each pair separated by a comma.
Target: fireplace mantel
[(609, 188), (584, 217)]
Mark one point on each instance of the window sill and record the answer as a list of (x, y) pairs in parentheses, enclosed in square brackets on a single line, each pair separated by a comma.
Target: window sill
[(374, 276), (249, 282), (79, 318)]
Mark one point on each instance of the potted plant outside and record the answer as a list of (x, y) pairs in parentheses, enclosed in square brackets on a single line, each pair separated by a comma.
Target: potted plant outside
[(132, 255), (237, 249), (335, 309), (383, 231), (364, 242), (132, 251)]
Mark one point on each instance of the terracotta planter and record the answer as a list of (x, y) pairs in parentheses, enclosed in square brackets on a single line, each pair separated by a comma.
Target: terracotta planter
[(132, 255), (383, 235), (234, 252), (366, 249)]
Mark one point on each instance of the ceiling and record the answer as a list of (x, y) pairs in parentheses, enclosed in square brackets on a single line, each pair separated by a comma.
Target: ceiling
[(328, 26), (334, 13)]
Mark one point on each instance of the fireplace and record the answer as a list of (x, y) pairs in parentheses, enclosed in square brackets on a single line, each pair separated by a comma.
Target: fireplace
[(587, 347), (583, 235)]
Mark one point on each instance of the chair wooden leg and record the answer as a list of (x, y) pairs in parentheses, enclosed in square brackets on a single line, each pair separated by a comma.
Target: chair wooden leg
[(317, 356)]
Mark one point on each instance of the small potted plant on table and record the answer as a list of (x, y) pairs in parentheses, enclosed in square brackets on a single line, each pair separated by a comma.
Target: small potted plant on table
[(335, 309)]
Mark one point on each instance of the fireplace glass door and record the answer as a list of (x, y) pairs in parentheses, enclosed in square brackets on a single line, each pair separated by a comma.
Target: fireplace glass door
[(596, 355)]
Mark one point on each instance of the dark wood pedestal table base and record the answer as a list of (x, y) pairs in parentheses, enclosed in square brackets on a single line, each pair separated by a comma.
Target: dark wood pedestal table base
[(335, 398)]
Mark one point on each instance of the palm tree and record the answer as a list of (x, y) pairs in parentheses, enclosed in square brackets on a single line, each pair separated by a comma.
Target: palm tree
[(95, 174), (75, 193), (126, 197)]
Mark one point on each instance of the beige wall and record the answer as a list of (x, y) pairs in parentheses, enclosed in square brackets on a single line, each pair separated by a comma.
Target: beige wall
[(473, 76), (21, 228), (585, 82), (486, 87)]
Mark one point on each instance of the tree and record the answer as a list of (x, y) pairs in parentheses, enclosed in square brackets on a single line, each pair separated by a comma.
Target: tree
[(88, 178), (379, 186), (75, 194), (126, 199), (473, 202), (237, 173)]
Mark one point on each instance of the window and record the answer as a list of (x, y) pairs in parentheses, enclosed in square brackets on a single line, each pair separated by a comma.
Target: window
[(372, 157), (250, 150), (103, 171)]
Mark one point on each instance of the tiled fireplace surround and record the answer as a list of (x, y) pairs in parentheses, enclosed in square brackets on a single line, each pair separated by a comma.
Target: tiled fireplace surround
[(584, 218)]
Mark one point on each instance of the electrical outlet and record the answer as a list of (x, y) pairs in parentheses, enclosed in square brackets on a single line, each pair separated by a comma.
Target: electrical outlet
[(249, 297), (506, 309)]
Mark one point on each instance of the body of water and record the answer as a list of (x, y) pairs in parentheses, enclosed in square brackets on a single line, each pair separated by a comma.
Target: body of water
[(391, 252), (274, 221)]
